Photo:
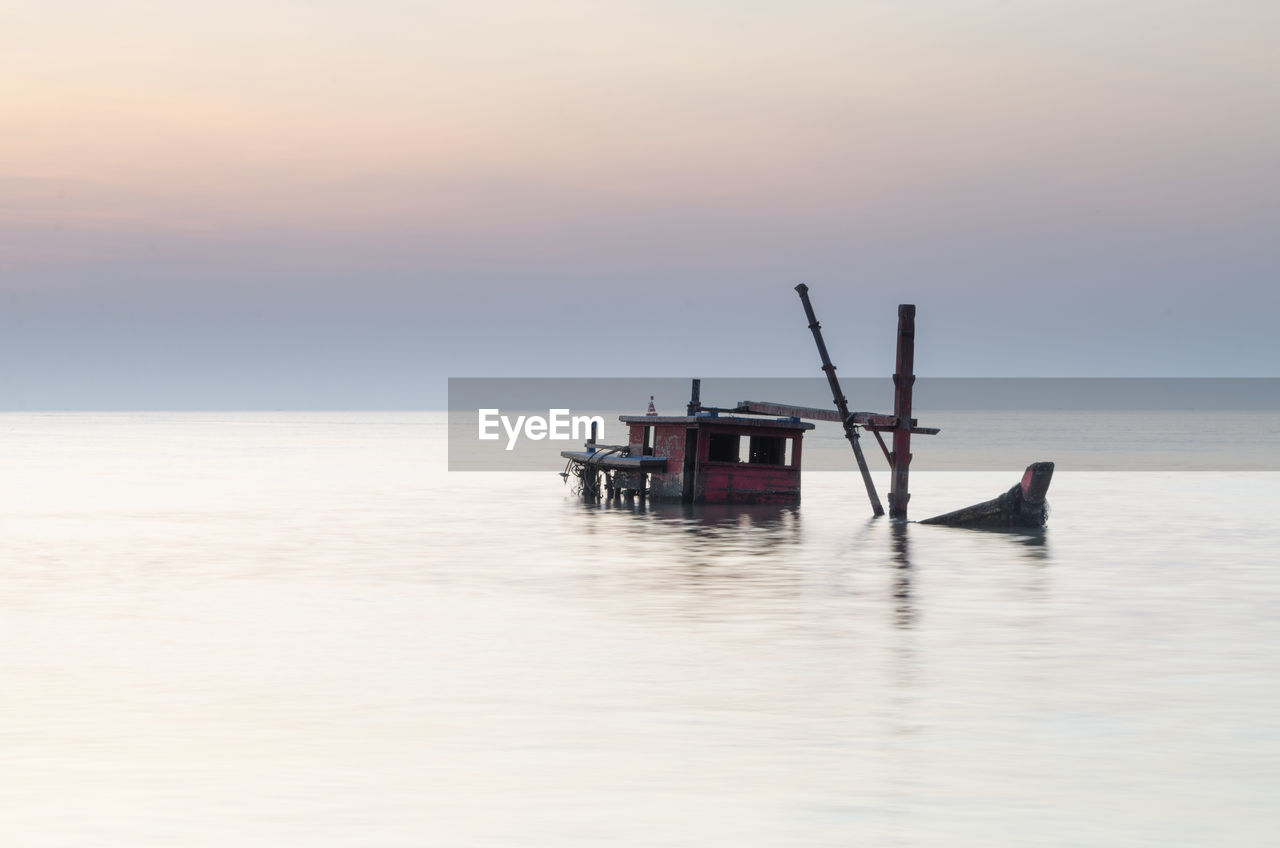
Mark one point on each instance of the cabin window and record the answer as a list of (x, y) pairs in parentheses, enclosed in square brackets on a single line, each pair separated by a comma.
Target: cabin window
[(768, 450), (722, 447)]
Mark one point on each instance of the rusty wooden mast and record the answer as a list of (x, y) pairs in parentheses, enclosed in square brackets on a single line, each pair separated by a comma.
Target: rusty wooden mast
[(904, 379)]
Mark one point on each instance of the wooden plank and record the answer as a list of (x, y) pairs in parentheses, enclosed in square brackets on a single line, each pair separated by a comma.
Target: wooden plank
[(918, 431), (788, 411), (874, 419), (712, 420), (862, 419)]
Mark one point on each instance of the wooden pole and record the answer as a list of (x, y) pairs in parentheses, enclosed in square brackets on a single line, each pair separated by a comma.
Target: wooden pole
[(903, 379), (842, 404)]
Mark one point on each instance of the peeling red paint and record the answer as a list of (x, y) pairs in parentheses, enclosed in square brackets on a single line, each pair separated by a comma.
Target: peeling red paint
[(721, 480)]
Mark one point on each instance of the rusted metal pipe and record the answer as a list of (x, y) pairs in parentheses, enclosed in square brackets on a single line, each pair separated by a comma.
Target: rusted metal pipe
[(842, 404)]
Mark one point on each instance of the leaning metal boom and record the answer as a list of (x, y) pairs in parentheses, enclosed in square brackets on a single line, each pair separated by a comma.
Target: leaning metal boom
[(842, 404)]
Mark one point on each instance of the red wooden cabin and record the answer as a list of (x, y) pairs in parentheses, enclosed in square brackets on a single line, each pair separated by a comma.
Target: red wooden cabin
[(716, 458)]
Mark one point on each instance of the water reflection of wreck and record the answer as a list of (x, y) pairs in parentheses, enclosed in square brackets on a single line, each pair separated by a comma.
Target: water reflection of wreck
[(750, 453)]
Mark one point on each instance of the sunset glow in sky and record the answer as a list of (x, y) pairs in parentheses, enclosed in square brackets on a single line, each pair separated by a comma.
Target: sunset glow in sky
[(337, 204)]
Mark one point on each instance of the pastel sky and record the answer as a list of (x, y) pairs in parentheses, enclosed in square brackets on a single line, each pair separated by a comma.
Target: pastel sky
[(338, 204)]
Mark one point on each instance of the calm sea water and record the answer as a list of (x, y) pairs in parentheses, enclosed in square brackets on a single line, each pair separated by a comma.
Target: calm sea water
[(300, 630)]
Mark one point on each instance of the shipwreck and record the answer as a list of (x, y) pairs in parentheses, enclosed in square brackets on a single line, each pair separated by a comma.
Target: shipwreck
[(751, 453)]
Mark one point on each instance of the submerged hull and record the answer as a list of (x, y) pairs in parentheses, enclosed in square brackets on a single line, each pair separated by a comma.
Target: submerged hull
[(1022, 506)]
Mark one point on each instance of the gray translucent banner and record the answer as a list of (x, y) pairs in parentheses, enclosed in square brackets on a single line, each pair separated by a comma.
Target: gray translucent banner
[(1085, 424)]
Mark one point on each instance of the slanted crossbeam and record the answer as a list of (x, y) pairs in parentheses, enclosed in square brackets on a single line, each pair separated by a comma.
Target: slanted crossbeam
[(866, 420)]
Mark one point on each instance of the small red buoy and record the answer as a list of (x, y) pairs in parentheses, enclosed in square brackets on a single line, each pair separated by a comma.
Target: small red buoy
[(651, 411)]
